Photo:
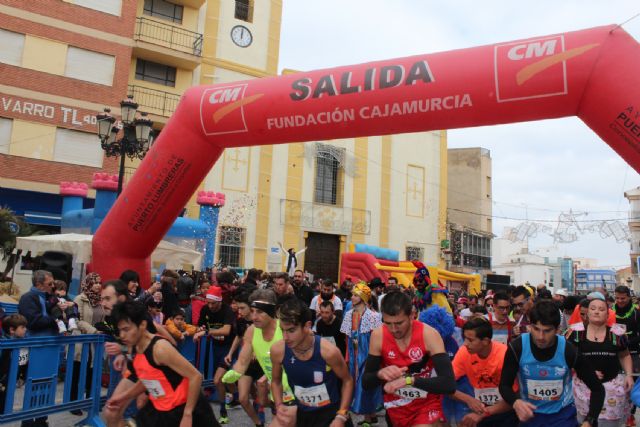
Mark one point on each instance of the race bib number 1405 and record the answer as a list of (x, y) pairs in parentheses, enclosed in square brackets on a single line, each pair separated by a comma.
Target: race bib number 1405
[(544, 389)]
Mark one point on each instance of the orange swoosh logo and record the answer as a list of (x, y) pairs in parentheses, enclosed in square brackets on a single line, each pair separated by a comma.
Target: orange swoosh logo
[(222, 112), (531, 70)]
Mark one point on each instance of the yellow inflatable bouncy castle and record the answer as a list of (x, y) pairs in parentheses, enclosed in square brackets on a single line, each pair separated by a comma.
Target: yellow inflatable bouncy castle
[(364, 262)]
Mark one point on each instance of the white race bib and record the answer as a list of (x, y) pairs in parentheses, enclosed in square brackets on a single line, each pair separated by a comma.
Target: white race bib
[(411, 393), (154, 388), (23, 356), (315, 396), (332, 340), (500, 337), (489, 396), (544, 389)]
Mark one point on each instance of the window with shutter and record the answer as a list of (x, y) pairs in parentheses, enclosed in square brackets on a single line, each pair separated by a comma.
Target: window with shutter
[(12, 47), (90, 66), (112, 7), (78, 148), (5, 134)]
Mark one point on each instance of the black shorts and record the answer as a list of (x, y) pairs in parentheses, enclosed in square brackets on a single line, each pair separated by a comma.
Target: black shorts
[(203, 416), (219, 353), (505, 419), (254, 371), (322, 417)]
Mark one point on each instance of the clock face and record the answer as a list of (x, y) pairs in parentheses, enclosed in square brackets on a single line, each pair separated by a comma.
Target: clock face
[(241, 36)]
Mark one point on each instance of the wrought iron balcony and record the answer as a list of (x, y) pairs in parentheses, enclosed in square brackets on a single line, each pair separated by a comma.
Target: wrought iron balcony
[(171, 36), (314, 216), (155, 101)]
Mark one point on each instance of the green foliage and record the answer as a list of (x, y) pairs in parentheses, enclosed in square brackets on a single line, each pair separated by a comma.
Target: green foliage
[(12, 226)]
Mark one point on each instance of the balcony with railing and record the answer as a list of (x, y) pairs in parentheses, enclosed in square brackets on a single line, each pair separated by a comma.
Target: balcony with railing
[(184, 46), (325, 218), (154, 101)]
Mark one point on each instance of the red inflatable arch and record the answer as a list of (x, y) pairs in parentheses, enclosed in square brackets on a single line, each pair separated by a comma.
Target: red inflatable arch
[(592, 74)]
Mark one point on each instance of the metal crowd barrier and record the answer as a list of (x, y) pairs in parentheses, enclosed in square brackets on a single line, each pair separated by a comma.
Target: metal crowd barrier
[(9, 308), (45, 359), (196, 353), (48, 356)]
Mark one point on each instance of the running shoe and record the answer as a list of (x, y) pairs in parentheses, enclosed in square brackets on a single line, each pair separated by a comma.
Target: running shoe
[(223, 420), (233, 404)]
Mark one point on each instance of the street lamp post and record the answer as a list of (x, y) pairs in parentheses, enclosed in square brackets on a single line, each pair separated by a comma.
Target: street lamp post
[(130, 136)]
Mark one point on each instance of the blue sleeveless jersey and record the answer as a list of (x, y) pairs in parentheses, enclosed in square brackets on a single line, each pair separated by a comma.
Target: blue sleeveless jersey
[(313, 382), (547, 385)]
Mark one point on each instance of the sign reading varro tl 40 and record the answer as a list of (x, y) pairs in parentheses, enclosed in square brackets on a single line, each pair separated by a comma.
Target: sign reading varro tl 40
[(24, 109)]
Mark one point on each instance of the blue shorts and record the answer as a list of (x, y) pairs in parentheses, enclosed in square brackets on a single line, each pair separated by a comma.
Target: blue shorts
[(567, 417)]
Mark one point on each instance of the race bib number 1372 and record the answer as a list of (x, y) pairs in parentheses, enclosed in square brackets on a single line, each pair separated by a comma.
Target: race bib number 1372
[(489, 396)]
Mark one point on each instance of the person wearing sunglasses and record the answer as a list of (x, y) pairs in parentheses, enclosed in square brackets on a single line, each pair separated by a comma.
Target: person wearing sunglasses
[(501, 323), (522, 303)]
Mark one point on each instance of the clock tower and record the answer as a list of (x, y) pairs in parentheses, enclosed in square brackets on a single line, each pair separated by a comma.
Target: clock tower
[(241, 41)]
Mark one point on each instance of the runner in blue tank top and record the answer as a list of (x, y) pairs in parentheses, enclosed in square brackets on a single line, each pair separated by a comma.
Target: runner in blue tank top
[(314, 368), (543, 361)]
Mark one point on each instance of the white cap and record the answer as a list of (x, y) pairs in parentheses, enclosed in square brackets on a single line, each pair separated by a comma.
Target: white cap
[(563, 292)]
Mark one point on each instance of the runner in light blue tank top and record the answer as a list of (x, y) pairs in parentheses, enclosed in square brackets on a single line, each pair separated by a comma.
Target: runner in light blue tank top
[(544, 364), (547, 385)]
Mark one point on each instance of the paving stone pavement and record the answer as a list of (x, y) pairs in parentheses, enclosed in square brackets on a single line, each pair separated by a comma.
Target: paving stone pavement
[(237, 417)]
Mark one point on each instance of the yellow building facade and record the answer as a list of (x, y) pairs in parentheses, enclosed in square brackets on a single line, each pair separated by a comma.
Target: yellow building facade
[(387, 191), (382, 191)]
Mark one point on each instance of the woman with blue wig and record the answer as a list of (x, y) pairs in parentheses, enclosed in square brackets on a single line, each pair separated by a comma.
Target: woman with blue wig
[(358, 323)]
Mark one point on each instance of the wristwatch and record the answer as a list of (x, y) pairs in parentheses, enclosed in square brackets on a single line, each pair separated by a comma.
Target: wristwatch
[(342, 412), (408, 380)]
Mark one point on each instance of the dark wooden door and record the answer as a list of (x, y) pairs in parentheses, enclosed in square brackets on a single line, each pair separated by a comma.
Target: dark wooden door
[(322, 256)]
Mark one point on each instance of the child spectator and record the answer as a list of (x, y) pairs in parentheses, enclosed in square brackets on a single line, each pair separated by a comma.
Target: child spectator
[(155, 310), (198, 300), (63, 310), (13, 326), (178, 327)]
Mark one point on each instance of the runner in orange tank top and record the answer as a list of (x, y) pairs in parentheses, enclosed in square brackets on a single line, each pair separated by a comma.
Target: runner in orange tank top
[(173, 384), (481, 359), (403, 356)]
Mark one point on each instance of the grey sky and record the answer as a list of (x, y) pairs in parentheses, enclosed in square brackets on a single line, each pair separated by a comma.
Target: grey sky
[(539, 168)]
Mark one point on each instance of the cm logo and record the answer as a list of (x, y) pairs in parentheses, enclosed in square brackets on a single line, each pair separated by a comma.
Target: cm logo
[(222, 109), (536, 49), (222, 96)]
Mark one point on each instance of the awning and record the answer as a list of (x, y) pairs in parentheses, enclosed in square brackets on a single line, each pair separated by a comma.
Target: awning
[(42, 218), (172, 255)]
